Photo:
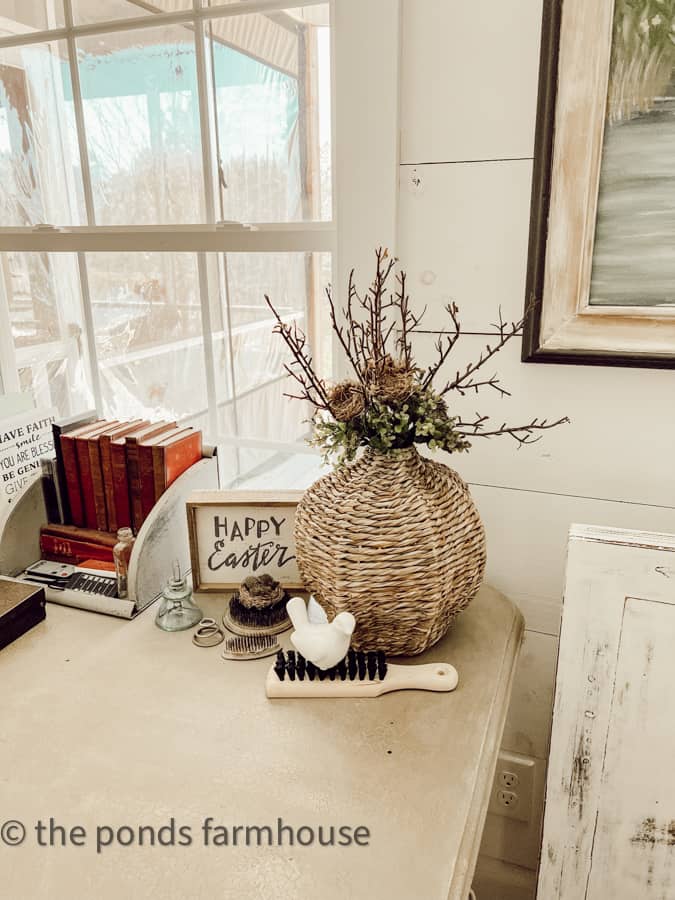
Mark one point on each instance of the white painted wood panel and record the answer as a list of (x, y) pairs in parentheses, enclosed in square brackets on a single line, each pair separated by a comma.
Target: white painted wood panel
[(619, 445), (610, 798), (634, 852), (469, 79), (463, 232), (527, 536)]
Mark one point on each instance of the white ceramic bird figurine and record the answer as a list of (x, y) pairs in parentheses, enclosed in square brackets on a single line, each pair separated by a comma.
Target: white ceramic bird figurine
[(323, 644)]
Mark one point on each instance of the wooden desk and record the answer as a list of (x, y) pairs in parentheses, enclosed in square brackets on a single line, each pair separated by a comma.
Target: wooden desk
[(108, 722)]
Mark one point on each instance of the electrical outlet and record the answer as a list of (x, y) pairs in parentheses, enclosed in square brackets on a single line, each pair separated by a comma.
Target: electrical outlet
[(513, 788), (508, 799)]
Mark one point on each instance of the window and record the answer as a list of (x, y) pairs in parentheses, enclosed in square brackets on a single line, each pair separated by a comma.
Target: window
[(163, 166)]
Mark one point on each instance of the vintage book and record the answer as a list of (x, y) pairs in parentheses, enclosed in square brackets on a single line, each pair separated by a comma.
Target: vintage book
[(49, 492), (87, 474), (126, 474), (68, 544), (74, 553), (146, 474), (172, 456), (118, 429), (21, 607), (63, 426), (71, 469), (72, 532), (105, 450)]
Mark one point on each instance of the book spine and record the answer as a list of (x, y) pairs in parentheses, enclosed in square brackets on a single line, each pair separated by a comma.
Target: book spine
[(97, 483), (68, 550), (146, 474), (120, 479), (134, 477), (47, 465), (86, 483), (105, 450), (72, 533), (159, 471), (72, 476), (60, 475), (181, 456)]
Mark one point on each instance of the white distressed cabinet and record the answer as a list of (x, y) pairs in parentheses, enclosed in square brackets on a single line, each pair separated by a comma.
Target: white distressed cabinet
[(609, 829)]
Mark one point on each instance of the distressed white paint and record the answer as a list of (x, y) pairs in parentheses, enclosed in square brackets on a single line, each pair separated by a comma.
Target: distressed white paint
[(612, 742)]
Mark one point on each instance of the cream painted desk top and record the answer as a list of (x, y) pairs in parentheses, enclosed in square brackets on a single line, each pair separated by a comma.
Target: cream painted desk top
[(108, 722)]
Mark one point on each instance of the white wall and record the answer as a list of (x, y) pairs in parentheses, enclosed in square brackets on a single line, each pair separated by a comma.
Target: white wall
[(468, 102)]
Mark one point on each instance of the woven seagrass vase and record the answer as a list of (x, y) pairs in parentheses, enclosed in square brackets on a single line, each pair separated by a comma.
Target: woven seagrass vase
[(396, 540)]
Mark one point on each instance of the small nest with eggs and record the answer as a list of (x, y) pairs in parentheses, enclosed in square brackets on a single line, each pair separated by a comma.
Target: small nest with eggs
[(260, 592)]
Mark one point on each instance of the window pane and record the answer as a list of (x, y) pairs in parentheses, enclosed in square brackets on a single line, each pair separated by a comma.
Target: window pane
[(40, 179), (103, 10), (41, 294), (271, 76), (15, 15), (141, 112), (147, 322), (294, 283)]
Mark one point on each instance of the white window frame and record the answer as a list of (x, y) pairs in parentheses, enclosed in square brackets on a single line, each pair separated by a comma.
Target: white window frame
[(364, 104)]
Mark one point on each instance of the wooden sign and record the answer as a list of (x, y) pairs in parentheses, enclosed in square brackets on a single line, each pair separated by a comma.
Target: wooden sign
[(235, 534)]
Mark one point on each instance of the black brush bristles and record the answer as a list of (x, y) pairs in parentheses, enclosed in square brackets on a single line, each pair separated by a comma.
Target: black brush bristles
[(361, 663), (358, 665), (351, 665), (280, 665), (257, 618)]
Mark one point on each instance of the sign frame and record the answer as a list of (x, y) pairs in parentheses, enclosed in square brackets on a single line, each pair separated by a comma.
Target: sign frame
[(227, 501)]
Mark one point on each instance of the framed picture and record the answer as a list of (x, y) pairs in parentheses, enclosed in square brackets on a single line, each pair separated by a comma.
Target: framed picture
[(234, 534), (601, 267)]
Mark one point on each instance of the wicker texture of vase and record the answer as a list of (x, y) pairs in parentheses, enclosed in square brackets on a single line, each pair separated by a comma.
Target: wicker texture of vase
[(396, 540)]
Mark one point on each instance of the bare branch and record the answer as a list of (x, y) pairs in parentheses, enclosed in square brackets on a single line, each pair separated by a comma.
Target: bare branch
[(313, 387), (444, 352), (522, 434), (504, 332)]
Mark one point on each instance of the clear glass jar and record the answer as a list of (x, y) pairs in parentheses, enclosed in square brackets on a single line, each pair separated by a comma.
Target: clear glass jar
[(177, 610), (122, 556)]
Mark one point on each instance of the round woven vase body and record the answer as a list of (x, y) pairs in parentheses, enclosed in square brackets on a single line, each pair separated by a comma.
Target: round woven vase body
[(396, 540)]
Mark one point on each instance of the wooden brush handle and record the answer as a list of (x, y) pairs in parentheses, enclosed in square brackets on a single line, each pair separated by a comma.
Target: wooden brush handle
[(427, 677)]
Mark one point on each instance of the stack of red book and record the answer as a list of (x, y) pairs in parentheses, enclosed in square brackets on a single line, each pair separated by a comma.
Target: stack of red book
[(112, 474)]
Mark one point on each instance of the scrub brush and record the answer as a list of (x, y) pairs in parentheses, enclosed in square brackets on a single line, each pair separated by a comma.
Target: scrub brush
[(253, 646), (359, 674)]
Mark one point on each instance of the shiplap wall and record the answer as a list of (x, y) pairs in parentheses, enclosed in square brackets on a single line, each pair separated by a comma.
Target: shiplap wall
[(468, 101)]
